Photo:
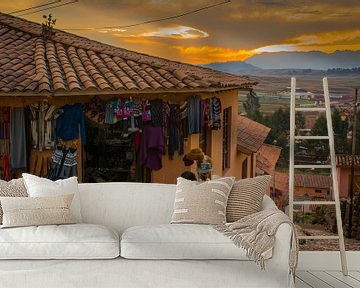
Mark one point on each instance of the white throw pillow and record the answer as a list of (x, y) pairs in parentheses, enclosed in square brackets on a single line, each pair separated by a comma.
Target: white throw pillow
[(42, 187), (181, 241)]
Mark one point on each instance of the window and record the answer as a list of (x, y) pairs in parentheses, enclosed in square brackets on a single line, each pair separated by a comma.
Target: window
[(205, 140), (226, 138), (318, 191), (244, 168)]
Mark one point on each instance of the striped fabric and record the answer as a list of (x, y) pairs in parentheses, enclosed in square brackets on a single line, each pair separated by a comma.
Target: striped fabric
[(246, 197), (201, 203)]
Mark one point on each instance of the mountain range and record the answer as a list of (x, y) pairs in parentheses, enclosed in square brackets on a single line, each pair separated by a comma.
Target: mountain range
[(315, 60)]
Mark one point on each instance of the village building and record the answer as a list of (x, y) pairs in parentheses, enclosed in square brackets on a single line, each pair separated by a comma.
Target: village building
[(306, 187), (42, 69), (267, 158), (343, 169), (250, 138)]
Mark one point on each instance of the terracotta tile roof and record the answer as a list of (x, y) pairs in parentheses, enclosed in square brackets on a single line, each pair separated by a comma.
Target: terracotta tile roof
[(281, 181), (70, 63), (312, 181), (267, 157), (345, 160), (250, 135)]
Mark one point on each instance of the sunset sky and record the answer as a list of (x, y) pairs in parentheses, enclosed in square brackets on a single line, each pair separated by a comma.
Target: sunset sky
[(232, 31)]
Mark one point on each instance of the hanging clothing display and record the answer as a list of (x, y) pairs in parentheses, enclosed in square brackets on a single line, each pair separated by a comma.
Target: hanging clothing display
[(156, 108), (18, 155), (156, 127), (43, 116), (194, 114), (95, 110), (5, 116), (174, 133), (216, 113), (110, 107), (68, 123), (152, 147), (63, 164), (4, 130)]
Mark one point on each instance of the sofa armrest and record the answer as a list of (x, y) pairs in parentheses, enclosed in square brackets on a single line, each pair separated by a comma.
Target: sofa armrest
[(279, 262)]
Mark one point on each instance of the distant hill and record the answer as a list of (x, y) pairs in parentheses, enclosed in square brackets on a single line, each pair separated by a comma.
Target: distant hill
[(234, 67), (306, 60)]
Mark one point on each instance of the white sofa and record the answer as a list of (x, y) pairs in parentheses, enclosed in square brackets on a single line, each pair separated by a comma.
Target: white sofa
[(119, 206)]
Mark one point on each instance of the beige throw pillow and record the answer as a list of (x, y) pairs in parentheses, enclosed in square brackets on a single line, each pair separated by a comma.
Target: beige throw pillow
[(13, 188), (201, 203), (21, 211), (246, 197)]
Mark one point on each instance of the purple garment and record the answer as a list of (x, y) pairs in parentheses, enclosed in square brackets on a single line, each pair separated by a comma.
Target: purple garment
[(152, 147)]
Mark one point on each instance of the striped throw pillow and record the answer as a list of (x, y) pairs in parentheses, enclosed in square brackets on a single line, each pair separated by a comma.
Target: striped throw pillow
[(201, 203), (246, 197)]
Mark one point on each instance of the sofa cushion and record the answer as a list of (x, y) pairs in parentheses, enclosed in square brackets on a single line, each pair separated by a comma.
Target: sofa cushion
[(181, 241), (73, 241), (42, 187), (29, 211), (201, 202)]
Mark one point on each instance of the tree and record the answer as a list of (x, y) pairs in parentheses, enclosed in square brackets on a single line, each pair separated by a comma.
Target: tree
[(340, 129), (252, 105)]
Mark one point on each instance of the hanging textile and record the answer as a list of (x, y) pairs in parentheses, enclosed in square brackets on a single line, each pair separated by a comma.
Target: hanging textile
[(18, 139), (146, 111), (95, 110), (5, 130), (110, 107), (216, 113), (173, 130), (63, 164), (156, 107), (194, 114), (67, 127), (5, 116), (152, 147), (43, 116)]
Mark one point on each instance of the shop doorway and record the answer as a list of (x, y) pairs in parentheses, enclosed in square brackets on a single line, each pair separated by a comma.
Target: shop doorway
[(110, 154)]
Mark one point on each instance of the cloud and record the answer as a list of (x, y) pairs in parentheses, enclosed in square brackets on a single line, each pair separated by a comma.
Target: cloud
[(208, 54), (326, 42), (175, 32), (276, 48), (139, 40), (296, 11)]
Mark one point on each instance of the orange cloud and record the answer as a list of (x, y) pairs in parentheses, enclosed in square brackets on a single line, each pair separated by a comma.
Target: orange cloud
[(140, 40), (208, 54), (326, 42)]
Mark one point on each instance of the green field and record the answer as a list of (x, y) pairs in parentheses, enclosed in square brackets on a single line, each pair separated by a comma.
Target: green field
[(268, 104)]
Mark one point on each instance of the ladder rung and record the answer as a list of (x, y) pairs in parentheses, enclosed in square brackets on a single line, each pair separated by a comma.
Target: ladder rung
[(318, 237), (312, 166), (311, 137), (310, 109), (314, 202)]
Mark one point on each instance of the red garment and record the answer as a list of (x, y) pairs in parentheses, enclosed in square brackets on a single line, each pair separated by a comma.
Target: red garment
[(4, 115), (6, 175)]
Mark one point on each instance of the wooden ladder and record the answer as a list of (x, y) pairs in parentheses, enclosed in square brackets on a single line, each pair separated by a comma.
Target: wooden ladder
[(332, 166)]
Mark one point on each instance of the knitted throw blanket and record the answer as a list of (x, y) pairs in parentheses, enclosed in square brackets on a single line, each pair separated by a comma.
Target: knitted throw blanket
[(256, 234)]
